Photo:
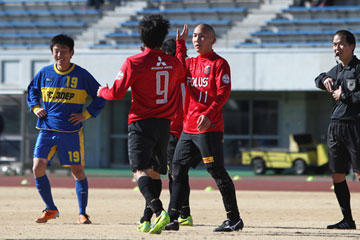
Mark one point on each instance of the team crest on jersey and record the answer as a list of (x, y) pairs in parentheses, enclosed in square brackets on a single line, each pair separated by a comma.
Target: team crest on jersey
[(160, 62), (207, 69), (351, 84), (120, 75), (226, 79)]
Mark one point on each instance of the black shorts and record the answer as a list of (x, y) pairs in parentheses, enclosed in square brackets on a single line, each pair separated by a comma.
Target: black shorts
[(147, 144), (171, 151), (344, 146), (192, 148)]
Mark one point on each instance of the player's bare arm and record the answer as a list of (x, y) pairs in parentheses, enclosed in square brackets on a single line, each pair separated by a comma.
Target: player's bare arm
[(40, 113), (76, 118), (184, 33), (203, 123), (101, 87), (328, 83)]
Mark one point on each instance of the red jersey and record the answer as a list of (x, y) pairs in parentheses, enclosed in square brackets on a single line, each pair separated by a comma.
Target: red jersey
[(208, 87), (176, 125), (154, 79)]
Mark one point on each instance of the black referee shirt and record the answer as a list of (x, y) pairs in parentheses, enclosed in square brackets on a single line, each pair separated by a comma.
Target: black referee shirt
[(347, 108)]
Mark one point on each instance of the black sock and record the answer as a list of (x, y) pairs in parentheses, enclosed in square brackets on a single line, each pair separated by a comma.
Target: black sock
[(227, 189), (179, 196), (343, 196), (185, 209), (180, 181), (157, 187), (185, 212), (175, 201), (170, 183), (145, 184), (147, 214)]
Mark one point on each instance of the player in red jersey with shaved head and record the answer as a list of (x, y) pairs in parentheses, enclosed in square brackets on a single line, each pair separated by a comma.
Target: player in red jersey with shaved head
[(154, 78), (207, 90)]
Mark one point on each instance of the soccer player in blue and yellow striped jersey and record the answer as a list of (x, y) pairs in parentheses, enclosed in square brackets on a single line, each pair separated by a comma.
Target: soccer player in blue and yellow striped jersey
[(56, 95)]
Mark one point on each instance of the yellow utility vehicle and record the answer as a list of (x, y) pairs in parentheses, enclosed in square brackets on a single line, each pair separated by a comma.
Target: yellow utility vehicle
[(302, 155)]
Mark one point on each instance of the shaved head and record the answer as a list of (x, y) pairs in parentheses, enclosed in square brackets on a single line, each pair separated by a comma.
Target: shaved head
[(207, 28), (203, 38)]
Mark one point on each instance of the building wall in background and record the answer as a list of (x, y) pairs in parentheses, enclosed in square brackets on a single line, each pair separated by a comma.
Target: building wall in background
[(273, 95), (251, 69)]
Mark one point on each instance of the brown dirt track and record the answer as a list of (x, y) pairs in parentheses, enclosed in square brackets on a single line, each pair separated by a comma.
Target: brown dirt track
[(272, 208)]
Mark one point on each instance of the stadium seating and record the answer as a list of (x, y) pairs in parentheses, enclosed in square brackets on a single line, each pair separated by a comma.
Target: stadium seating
[(191, 11), (32, 23), (4, 26), (222, 25), (220, 14), (306, 27), (202, 3), (180, 23), (40, 1)]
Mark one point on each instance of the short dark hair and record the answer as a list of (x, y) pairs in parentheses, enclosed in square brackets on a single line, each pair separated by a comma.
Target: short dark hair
[(169, 46), (349, 37), (153, 30), (62, 39)]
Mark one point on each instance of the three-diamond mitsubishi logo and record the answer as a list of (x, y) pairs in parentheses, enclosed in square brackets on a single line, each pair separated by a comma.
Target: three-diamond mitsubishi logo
[(160, 62)]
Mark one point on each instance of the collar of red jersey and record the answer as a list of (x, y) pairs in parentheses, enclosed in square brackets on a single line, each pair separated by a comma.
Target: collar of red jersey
[(207, 55), (152, 50)]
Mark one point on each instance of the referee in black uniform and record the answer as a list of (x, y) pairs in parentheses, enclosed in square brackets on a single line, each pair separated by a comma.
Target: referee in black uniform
[(343, 138)]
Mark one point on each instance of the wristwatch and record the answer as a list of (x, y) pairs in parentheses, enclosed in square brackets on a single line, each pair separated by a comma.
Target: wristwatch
[(343, 96)]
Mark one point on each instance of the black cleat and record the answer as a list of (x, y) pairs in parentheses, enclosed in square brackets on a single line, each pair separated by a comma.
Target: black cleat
[(343, 224), (229, 226), (172, 226)]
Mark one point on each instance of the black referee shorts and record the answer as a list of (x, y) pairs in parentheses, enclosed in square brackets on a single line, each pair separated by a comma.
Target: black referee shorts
[(147, 144), (191, 149), (344, 146)]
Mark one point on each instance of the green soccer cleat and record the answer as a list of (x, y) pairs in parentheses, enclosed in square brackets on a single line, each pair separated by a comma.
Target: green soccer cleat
[(160, 222), (144, 227), (186, 221)]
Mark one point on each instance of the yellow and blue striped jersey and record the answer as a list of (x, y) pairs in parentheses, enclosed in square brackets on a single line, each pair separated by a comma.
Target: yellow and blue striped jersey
[(61, 94)]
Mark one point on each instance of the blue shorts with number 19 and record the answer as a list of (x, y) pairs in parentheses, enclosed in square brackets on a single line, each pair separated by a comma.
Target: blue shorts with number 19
[(70, 147)]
